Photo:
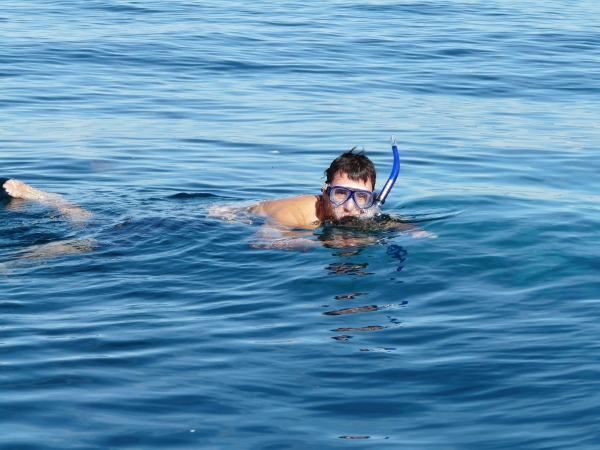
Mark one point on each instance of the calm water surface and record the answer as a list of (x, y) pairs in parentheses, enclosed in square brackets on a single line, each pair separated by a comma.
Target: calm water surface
[(167, 329)]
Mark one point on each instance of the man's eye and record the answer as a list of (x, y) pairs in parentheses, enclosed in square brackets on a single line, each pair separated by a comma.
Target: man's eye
[(361, 196)]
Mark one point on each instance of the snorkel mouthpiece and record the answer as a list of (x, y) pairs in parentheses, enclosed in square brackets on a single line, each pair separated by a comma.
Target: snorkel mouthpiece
[(392, 179)]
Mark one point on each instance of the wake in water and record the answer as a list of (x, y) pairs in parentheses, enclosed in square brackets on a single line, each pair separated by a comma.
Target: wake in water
[(374, 220), (370, 228)]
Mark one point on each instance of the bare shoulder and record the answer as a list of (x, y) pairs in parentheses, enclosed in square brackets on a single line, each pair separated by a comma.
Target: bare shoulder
[(299, 211)]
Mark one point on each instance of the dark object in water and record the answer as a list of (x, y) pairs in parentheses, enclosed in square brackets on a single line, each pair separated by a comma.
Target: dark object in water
[(341, 338), (348, 296), (340, 268), (359, 309), (369, 328), (378, 349)]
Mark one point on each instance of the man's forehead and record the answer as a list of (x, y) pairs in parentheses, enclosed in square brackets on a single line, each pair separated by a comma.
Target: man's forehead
[(342, 178)]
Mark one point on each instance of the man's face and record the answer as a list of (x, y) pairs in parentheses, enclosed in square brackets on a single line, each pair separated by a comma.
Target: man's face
[(349, 208)]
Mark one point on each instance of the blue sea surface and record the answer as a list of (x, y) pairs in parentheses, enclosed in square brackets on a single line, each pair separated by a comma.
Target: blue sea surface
[(159, 324)]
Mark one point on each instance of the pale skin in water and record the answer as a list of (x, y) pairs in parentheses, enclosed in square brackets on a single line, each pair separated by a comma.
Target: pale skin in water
[(18, 189), (75, 213), (285, 217)]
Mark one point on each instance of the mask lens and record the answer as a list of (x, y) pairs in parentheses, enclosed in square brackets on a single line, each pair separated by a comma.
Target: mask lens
[(363, 199), (339, 196)]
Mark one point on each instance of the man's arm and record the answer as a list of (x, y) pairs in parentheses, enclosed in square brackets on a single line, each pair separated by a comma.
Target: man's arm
[(18, 189), (292, 212), (284, 218)]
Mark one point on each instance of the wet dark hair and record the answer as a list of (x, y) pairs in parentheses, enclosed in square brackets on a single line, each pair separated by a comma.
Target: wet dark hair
[(356, 165)]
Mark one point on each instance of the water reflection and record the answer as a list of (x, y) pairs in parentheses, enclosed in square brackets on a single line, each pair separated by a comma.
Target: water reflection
[(359, 309), (341, 268), (347, 253), (397, 254), (39, 254), (349, 296), (378, 349), (350, 235), (369, 328), (344, 239)]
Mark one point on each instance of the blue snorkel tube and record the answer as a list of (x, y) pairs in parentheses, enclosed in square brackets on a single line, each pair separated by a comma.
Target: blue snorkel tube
[(380, 200)]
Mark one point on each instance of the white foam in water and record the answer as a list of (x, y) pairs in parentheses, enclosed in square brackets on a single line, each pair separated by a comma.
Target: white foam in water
[(370, 213)]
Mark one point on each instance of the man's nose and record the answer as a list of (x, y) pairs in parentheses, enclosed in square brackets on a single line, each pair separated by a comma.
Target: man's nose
[(349, 205)]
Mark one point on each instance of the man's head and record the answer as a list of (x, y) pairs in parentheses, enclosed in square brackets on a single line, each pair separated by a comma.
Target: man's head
[(353, 171), (355, 165)]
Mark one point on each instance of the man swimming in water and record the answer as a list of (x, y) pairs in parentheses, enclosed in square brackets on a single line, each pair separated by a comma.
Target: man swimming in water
[(347, 192)]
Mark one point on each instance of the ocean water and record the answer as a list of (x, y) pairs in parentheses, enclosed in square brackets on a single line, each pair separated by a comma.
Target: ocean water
[(157, 324)]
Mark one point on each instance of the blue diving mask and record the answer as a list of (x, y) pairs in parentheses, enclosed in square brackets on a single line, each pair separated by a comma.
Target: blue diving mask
[(340, 195)]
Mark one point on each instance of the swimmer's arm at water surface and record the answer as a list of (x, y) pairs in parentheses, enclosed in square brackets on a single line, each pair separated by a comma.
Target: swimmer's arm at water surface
[(309, 211), (302, 211), (284, 219), (18, 190), (287, 219)]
